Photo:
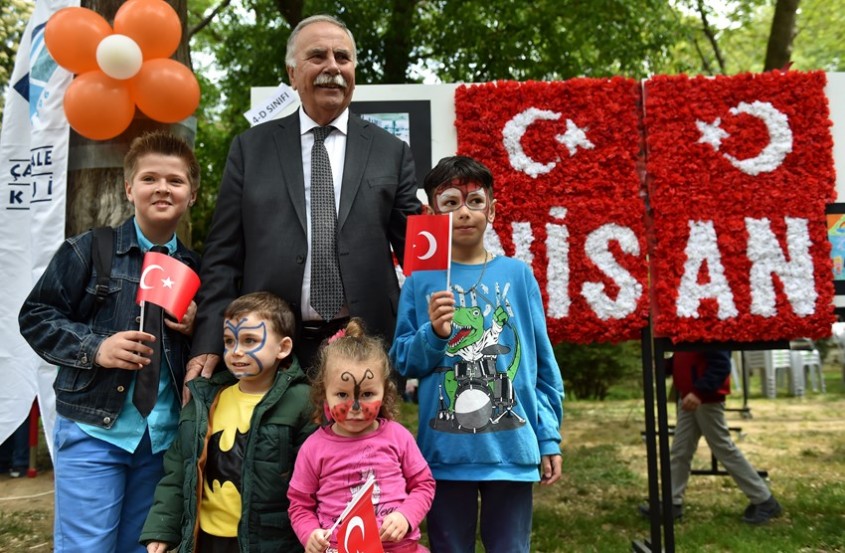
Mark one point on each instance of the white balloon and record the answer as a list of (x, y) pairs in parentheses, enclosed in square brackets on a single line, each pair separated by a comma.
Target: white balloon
[(119, 57)]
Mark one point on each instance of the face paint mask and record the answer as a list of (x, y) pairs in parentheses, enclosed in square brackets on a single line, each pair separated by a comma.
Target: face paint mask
[(368, 409), (252, 352), (452, 198)]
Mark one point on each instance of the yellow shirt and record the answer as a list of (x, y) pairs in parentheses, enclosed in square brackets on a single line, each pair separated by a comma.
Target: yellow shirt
[(220, 507)]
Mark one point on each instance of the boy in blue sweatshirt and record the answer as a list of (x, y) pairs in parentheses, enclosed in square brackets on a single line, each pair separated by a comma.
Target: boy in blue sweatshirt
[(490, 391)]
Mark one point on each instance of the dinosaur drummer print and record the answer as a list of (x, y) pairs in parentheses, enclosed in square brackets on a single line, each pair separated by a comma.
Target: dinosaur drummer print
[(475, 395)]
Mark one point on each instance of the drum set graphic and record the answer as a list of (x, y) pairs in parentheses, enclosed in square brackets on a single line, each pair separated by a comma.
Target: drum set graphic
[(483, 399)]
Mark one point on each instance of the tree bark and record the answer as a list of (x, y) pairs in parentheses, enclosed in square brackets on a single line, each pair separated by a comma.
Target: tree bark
[(291, 11), (397, 41), (711, 37), (95, 192), (779, 48)]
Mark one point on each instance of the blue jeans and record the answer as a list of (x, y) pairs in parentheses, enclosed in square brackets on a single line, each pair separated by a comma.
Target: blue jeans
[(506, 509), (103, 493)]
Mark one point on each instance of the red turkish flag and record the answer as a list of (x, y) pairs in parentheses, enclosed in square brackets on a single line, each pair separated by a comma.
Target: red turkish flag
[(740, 170), (359, 531), (565, 157), (168, 283), (428, 243)]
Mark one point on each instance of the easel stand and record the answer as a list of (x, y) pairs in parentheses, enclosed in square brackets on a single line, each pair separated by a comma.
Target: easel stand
[(662, 537)]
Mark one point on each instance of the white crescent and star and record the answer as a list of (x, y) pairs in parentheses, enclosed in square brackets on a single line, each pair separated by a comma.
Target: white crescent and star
[(354, 522), (515, 129), (432, 245), (771, 157), (166, 282)]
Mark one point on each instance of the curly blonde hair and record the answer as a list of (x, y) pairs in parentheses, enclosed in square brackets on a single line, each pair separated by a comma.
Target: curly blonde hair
[(354, 344)]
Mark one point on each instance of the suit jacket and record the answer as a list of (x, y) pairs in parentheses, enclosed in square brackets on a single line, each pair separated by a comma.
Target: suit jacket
[(258, 238)]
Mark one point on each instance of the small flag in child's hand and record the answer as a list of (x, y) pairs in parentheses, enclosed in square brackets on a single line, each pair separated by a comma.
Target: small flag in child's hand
[(428, 243), (359, 531), (168, 283)]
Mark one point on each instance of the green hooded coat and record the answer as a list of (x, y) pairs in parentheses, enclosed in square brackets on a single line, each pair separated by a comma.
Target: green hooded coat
[(280, 424)]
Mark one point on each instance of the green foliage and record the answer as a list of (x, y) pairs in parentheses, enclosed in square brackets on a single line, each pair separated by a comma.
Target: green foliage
[(741, 29), (483, 40), (553, 39), (589, 371), (14, 15)]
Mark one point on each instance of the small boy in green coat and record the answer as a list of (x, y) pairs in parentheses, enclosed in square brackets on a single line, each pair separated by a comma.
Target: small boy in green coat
[(227, 473)]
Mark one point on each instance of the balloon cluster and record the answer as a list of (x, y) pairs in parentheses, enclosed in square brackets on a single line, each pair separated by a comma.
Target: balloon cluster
[(121, 68)]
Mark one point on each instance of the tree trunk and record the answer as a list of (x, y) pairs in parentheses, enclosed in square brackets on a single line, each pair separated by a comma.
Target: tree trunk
[(95, 193), (397, 41), (779, 49), (291, 11)]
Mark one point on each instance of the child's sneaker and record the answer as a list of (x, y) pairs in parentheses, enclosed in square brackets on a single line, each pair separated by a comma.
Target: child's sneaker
[(17, 472), (762, 512)]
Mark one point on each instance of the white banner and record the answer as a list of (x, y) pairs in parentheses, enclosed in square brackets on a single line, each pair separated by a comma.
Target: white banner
[(33, 169)]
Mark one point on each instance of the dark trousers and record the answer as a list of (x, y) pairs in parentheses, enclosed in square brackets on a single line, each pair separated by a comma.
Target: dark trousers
[(206, 543), (14, 452), (505, 520), (312, 334)]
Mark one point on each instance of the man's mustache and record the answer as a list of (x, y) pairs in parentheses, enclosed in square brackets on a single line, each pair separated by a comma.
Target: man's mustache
[(324, 79)]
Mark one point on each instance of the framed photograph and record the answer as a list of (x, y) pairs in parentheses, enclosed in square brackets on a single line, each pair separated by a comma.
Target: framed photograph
[(835, 214), (409, 120)]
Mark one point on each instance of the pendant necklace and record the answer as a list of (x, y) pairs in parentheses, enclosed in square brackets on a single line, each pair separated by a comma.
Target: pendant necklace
[(472, 288)]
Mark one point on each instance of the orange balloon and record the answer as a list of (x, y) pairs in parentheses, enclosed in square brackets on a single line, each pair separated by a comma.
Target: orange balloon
[(72, 36), (153, 24), (97, 106), (165, 90)]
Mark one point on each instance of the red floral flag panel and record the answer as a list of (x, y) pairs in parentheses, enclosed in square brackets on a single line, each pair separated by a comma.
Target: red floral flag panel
[(740, 169), (168, 283), (564, 157)]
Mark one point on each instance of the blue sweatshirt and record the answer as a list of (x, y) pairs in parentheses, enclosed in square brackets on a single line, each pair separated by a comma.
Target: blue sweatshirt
[(491, 394)]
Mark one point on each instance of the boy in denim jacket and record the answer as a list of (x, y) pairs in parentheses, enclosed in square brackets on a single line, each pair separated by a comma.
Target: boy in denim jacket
[(108, 454)]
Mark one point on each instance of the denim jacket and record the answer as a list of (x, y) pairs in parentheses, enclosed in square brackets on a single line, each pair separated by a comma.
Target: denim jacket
[(61, 323)]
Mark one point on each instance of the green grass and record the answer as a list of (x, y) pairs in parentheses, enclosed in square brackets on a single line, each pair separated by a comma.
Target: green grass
[(25, 530), (800, 441)]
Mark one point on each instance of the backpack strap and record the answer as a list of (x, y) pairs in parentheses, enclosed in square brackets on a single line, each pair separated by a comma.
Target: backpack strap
[(102, 252)]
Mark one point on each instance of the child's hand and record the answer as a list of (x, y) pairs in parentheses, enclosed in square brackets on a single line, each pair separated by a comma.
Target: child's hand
[(124, 350), (551, 466), (186, 327), (394, 527), (441, 309), (157, 547), (317, 542)]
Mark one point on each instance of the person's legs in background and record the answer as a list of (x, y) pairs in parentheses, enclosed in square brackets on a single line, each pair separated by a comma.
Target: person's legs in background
[(763, 506), (684, 445), (14, 452)]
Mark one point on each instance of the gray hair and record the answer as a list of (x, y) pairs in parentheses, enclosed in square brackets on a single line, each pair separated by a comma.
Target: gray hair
[(290, 53)]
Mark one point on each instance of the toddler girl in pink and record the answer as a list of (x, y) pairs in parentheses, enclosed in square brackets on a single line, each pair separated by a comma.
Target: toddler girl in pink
[(354, 391)]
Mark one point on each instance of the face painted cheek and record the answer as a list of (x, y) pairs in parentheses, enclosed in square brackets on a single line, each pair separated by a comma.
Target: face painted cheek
[(341, 410), (370, 410)]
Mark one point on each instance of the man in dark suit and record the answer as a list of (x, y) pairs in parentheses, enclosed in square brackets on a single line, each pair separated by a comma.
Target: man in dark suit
[(263, 233)]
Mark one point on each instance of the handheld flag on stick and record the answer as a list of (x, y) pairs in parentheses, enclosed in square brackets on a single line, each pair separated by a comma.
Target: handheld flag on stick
[(168, 283), (359, 531), (428, 244)]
